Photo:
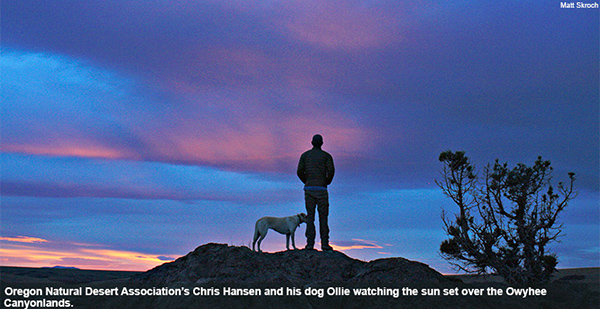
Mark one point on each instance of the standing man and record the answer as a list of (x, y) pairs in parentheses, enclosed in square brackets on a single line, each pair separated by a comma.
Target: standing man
[(316, 170)]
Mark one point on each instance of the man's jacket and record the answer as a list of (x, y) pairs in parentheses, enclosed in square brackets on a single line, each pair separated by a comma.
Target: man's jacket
[(315, 168)]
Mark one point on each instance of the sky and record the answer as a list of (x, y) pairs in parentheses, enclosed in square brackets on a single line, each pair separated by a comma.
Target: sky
[(134, 131)]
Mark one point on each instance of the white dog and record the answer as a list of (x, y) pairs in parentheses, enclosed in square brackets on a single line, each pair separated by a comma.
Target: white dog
[(285, 225)]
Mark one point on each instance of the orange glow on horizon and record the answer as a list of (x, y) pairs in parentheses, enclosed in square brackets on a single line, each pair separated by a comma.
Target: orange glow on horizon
[(43, 254), (25, 251), (368, 245)]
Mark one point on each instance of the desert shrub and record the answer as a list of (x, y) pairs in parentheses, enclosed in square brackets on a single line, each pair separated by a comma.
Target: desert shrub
[(506, 217)]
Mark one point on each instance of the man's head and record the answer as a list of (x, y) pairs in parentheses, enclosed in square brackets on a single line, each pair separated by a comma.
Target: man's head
[(317, 141)]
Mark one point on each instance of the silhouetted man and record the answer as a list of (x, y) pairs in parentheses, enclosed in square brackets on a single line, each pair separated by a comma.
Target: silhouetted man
[(316, 170)]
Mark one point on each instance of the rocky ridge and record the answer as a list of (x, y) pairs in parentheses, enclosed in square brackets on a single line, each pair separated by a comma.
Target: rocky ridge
[(222, 264)]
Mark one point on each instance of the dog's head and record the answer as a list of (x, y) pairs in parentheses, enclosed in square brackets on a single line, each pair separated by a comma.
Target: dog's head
[(302, 217)]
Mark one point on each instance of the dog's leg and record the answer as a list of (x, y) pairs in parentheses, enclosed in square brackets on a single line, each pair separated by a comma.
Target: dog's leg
[(293, 242), (256, 234), (287, 241), (261, 239)]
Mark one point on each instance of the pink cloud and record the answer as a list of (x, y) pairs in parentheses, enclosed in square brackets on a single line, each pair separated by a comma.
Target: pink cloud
[(69, 148), (253, 126), (255, 67), (259, 144), (263, 140)]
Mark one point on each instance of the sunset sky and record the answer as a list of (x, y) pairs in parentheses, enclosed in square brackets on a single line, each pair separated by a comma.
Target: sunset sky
[(135, 131)]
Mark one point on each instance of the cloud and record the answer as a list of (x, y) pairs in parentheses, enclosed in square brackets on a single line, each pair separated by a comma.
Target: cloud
[(341, 25), (249, 97), (82, 256), (23, 239), (165, 258), (355, 244), (62, 107), (85, 177), (86, 112), (83, 262)]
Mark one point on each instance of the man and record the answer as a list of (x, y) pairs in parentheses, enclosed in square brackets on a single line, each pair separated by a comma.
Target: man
[(316, 170)]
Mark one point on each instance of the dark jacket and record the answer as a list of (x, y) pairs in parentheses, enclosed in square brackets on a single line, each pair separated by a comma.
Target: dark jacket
[(315, 168)]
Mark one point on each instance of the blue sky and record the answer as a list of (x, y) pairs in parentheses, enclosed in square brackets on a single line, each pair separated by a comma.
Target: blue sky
[(134, 131)]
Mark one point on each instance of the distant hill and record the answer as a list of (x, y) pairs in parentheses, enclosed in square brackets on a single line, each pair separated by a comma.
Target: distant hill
[(62, 267), (53, 275)]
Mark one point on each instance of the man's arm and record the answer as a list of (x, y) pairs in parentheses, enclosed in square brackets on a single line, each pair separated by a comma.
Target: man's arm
[(330, 170), (301, 172)]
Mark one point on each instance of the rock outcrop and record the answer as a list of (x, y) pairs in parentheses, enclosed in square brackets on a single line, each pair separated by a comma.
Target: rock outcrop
[(223, 264), (295, 276)]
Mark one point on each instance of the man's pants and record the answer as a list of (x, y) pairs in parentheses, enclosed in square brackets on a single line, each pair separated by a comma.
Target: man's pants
[(312, 199)]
